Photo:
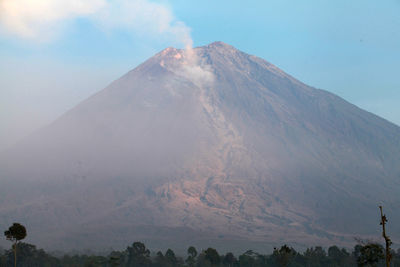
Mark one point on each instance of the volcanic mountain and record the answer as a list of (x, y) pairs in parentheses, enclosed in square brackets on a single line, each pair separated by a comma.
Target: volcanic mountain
[(206, 143)]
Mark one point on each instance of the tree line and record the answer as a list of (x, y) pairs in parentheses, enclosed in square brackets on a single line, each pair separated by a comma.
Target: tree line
[(137, 255)]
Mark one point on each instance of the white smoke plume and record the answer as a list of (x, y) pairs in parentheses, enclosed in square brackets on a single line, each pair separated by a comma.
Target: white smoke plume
[(43, 20)]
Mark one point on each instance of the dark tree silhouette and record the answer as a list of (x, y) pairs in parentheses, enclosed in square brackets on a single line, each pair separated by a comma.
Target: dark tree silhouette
[(192, 254), (15, 233), (339, 257), (212, 256), (388, 242), (115, 258), (369, 254), (30, 256), (138, 255), (284, 255), (171, 258), (229, 260), (159, 260), (316, 256), (249, 258)]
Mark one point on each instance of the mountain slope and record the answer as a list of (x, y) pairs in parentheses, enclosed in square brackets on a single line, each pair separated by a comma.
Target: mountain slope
[(210, 140)]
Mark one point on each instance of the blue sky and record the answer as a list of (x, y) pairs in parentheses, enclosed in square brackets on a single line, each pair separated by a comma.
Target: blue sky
[(56, 54)]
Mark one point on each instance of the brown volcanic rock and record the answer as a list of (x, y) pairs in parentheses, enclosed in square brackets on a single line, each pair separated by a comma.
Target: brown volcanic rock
[(202, 143)]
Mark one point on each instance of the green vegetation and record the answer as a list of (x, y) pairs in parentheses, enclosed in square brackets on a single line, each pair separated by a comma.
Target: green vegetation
[(15, 233), (137, 254), (365, 254)]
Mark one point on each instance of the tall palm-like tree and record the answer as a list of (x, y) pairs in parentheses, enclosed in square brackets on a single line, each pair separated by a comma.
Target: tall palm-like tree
[(15, 233)]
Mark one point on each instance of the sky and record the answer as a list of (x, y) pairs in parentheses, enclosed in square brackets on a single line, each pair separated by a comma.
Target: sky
[(56, 53)]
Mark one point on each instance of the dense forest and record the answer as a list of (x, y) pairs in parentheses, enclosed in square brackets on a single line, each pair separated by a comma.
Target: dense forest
[(368, 254)]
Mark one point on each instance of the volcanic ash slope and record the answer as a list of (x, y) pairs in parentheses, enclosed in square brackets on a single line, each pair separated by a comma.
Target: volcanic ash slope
[(204, 143)]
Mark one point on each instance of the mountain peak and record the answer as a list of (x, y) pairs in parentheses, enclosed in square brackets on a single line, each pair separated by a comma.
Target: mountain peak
[(175, 52), (219, 44), (209, 139), (220, 47)]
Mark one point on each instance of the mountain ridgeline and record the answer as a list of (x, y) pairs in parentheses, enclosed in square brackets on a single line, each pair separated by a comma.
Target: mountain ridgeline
[(200, 144)]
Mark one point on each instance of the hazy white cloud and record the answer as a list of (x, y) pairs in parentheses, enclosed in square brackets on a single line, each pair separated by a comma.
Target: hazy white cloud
[(145, 17), (40, 20)]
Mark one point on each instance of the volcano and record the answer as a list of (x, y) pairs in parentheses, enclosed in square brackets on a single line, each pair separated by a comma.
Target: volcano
[(208, 143)]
